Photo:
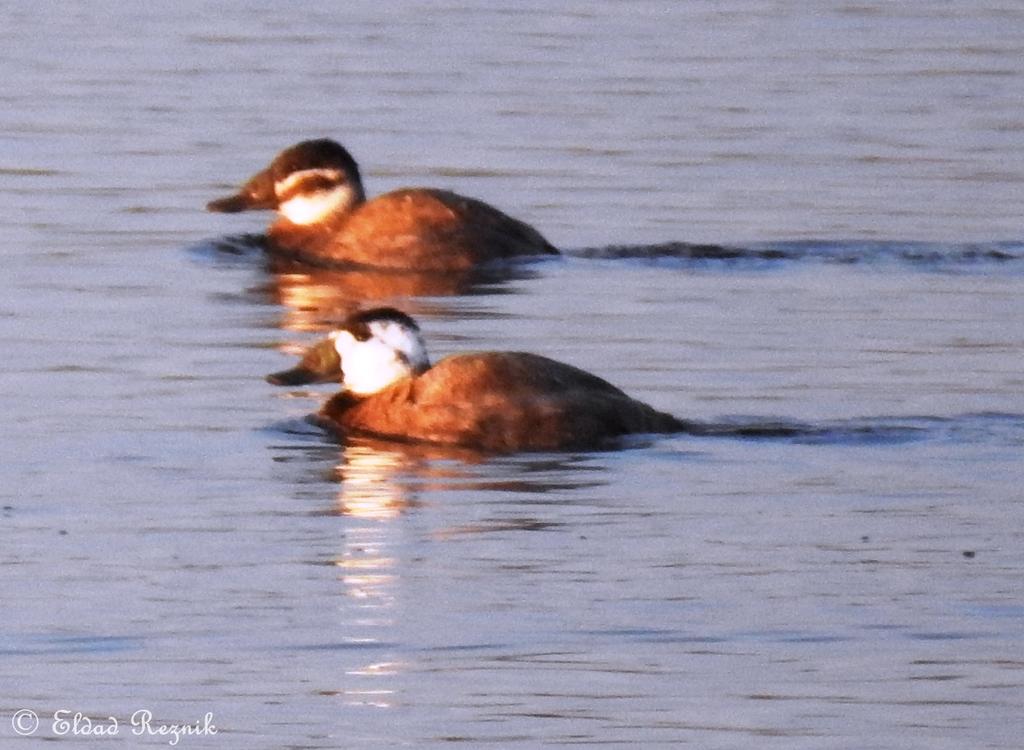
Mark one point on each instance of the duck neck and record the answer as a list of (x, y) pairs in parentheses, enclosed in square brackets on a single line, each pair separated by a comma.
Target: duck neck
[(341, 402), (295, 238)]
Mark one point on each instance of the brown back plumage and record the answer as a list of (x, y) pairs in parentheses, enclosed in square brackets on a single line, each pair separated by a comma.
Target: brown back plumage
[(415, 228), (500, 401)]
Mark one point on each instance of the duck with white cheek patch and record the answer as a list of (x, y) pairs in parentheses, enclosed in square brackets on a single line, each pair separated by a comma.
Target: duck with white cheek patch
[(488, 401), (325, 218)]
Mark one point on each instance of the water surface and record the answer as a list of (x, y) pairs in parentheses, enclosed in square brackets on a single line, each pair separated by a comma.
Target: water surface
[(795, 226)]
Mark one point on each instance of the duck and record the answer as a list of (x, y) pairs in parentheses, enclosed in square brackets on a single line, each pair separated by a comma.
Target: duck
[(493, 402), (324, 218)]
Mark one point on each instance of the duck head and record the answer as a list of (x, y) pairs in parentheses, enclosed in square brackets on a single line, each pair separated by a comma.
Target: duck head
[(305, 183), (371, 350)]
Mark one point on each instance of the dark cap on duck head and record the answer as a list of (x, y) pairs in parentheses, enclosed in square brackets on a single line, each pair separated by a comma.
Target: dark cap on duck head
[(259, 192), (322, 364)]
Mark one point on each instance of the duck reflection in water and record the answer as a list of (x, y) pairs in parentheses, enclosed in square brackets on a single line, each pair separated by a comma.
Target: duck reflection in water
[(372, 482), (495, 402), (381, 480), (316, 299)]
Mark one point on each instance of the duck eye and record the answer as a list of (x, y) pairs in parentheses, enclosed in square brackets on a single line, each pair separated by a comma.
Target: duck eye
[(360, 332), (321, 181)]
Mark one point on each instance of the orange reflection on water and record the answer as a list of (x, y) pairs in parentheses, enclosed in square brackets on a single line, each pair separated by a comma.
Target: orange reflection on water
[(370, 486), (380, 479), (316, 299)]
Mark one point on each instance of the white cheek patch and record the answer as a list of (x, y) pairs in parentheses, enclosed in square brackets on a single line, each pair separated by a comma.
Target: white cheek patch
[(369, 366), (311, 195), (315, 207)]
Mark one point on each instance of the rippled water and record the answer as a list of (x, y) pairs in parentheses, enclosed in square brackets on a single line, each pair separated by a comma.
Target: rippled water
[(798, 227)]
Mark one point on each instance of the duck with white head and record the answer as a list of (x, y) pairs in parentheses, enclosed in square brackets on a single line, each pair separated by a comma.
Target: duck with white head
[(489, 401)]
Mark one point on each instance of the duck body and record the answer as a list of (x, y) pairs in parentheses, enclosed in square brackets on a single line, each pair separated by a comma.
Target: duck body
[(499, 402), (489, 401), (325, 218)]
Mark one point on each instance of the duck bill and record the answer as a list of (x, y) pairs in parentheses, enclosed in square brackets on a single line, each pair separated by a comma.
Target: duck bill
[(320, 364), (258, 193)]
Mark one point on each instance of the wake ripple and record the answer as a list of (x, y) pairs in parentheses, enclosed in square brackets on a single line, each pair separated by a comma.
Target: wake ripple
[(921, 255), (988, 427)]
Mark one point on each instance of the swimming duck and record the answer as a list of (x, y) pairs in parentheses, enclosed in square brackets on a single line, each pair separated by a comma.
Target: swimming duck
[(489, 401), (325, 218)]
